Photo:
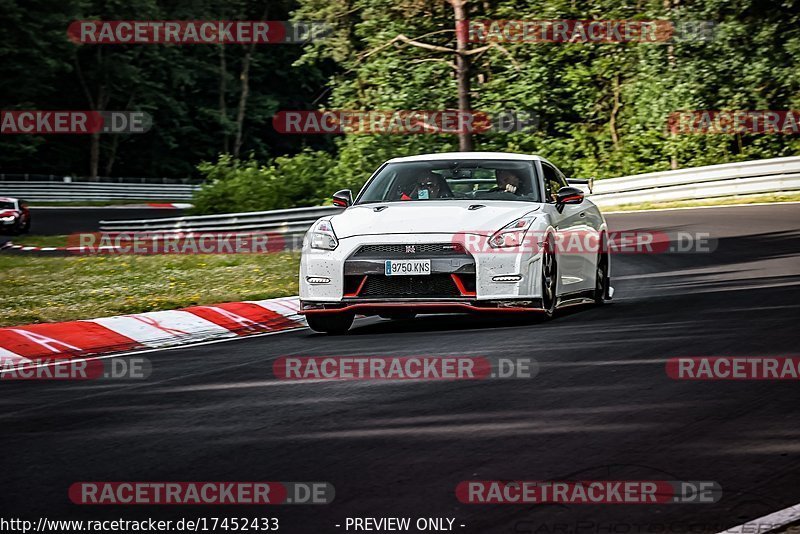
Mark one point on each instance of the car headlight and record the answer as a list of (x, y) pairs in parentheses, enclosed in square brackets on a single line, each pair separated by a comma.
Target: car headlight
[(513, 234), (10, 218), (322, 236)]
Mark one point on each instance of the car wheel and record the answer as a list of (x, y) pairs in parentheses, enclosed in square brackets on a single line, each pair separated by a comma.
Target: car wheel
[(333, 323), (398, 316), (18, 229), (549, 278), (26, 227), (601, 275)]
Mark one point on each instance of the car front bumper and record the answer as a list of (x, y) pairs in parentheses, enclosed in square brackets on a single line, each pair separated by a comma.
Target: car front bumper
[(337, 274)]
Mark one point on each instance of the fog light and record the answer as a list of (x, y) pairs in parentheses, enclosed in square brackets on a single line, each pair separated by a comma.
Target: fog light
[(318, 280), (507, 278)]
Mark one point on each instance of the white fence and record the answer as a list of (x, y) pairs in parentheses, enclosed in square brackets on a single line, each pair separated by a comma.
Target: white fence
[(41, 191), (762, 176)]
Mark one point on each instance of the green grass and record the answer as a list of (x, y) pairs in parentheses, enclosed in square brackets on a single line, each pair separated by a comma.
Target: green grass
[(43, 289), (726, 201)]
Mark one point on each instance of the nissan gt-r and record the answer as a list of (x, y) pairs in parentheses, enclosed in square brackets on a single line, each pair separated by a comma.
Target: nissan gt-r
[(477, 232)]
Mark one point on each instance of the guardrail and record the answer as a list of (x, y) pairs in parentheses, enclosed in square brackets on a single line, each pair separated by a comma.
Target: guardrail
[(292, 224), (28, 177), (762, 176), (713, 181), (43, 191)]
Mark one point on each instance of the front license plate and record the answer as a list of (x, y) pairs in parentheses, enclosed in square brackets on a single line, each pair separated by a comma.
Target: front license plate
[(407, 267)]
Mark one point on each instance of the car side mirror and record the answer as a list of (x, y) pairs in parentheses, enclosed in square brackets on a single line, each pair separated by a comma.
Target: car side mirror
[(569, 195), (343, 198)]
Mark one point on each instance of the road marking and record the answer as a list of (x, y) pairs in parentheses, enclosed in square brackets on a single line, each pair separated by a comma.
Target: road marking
[(771, 522)]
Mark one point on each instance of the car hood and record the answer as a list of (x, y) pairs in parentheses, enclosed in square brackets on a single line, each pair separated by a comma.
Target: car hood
[(8, 213), (446, 216)]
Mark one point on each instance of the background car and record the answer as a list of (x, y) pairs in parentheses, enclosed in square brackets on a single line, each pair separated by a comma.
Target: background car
[(15, 217), (454, 232)]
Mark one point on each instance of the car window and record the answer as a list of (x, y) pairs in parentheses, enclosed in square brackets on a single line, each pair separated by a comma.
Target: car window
[(453, 180), (7, 205), (553, 181)]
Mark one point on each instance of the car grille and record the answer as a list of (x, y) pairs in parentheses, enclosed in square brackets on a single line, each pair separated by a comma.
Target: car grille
[(402, 250), (435, 285)]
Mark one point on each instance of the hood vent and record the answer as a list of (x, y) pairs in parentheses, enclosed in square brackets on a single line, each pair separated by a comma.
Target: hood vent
[(476, 207), (379, 209)]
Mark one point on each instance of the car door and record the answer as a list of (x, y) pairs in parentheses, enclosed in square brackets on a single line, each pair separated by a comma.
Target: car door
[(574, 230)]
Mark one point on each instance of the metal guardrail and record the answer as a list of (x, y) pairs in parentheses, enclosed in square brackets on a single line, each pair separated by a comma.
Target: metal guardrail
[(93, 191), (750, 177), (713, 181), (28, 177)]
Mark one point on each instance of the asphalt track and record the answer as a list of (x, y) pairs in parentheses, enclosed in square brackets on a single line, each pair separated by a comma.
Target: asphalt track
[(61, 221), (601, 406)]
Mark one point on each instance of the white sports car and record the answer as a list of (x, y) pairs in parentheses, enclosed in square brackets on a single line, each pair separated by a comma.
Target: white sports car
[(459, 232)]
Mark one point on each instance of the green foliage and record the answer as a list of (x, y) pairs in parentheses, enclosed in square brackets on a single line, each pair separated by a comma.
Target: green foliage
[(236, 186), (603, 107)]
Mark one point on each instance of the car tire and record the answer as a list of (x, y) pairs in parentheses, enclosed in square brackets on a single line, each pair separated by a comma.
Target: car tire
[(333, 323), (601, 282), (17, 229), (398, 316), (26, 227), (549, 278)]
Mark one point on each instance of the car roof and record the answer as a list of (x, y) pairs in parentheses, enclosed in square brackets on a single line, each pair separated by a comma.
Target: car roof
[(466, 155), (8, 199)]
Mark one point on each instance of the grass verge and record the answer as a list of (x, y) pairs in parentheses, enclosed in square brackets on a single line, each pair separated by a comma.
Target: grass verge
[(44, 289), (726, 201)]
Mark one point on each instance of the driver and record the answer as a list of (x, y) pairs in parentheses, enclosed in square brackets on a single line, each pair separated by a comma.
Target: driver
[(507, 181), (429, 186)]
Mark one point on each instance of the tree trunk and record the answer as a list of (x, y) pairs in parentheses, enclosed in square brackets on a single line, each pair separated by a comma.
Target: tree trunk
[(94, 156), (223, 109), (465, 139), (668, 4), (612, 123), (94, 147), (245, 78)]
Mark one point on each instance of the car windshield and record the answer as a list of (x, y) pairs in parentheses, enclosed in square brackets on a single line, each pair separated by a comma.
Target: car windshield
[(7, 205), (453, 180)]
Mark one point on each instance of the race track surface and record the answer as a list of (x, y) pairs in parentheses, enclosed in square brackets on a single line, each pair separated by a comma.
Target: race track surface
[(63, 221), (601, 406), (59, 221)]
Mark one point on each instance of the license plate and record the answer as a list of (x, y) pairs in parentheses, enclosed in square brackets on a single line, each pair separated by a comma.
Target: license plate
[(407, 267)]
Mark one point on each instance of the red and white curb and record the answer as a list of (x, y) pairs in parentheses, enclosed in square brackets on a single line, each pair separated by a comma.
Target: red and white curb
[(11, 245), (170, 205), (20, 345)]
